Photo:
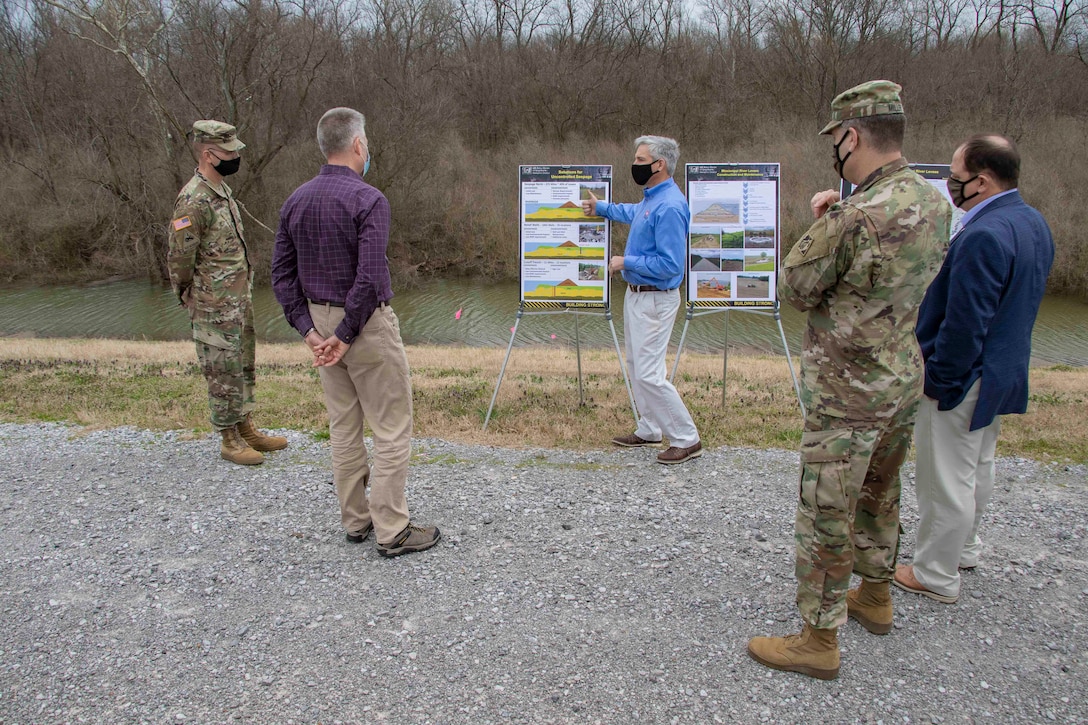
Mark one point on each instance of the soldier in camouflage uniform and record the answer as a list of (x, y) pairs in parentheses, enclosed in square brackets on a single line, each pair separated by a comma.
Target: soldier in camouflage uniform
[(212, 277), (860, 272)]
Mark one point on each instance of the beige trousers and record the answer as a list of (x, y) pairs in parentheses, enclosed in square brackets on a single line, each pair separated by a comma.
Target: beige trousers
[(648, 318), (954, 478), (370, 384)]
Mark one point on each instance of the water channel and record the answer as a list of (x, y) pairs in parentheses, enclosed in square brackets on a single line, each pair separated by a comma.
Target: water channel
[(144, 311)]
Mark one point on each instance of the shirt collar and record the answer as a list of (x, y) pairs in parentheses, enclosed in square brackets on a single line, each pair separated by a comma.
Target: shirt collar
[(222, 190), (338, 170), (969, 215), (655, 189), (887, 169)]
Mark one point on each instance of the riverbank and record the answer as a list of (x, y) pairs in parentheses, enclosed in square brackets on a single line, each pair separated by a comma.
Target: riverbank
[(146, 580), (134, 310), (100, 384)]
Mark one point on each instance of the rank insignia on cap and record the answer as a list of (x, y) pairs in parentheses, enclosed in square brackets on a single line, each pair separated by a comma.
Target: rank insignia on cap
[(182, 223)]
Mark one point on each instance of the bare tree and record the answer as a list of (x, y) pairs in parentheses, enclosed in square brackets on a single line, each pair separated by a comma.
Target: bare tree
[(1054, 21)]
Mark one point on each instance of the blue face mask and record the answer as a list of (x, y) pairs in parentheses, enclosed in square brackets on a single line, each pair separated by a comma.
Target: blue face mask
[(366, 166)]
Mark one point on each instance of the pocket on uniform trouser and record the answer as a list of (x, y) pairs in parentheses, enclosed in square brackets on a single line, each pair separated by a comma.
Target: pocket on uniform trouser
[(217, 338), (824, 549), (825, 460)]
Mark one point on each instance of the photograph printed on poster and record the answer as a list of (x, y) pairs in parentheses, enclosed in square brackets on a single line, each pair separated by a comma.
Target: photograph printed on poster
[(753, 286), (712, 285), (705, 237), (706, 260)]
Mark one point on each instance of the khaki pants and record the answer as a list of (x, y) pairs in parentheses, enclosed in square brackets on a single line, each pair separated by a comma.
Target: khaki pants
[(848, 509), (648, 318), (954, 481), (371, 383)]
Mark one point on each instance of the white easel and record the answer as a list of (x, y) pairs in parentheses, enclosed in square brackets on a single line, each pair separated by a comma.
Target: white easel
[(578, 347), (774, 312)]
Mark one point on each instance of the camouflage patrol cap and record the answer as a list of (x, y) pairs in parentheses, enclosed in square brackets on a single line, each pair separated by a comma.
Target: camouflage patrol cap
[(221, 134), (872, 98)]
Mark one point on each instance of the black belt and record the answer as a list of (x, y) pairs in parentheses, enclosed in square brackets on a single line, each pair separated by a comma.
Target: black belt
[(647, 288), (341, 304)]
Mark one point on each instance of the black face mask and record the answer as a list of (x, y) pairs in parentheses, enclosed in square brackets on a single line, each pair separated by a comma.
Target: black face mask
[(955, 190), (226, 167), (840, 162), (641, 173)]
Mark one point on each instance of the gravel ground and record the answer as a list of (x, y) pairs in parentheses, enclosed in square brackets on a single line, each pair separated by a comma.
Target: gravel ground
[(146, 580)]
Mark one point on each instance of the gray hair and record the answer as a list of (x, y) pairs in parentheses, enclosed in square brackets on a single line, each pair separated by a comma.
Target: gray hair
[(661, 147), (338, 128)]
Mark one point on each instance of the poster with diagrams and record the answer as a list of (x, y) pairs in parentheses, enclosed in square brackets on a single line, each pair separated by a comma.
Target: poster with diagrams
[(733, 241), (564, 254), (937, 175)]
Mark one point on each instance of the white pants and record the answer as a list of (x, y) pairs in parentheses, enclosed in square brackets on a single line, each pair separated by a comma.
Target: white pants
[(954, 480), (648, 318)]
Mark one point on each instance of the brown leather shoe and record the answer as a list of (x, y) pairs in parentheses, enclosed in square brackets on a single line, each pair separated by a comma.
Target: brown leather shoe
[(413, 538), (905, 580), (633, 441), (358, 537), (679, 455)]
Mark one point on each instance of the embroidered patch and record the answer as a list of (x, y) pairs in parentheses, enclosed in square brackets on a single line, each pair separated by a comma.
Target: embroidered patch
[(182, 223)]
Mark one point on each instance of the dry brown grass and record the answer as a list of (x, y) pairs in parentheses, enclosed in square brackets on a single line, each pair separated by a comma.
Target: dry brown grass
[(105, 383)]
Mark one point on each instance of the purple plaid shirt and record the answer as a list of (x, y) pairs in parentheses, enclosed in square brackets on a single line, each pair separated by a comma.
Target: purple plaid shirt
[(330, 247)]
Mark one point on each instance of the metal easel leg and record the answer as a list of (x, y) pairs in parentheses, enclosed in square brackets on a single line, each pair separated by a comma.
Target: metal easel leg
[(578, 347), (725, 354), (502, 372), (680, 347), (623, 365), (789, 361)]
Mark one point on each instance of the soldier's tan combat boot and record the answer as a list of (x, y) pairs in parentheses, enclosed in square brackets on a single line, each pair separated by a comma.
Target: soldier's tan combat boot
[(871, 605), (814, 652), (257, 440), (236, 450)]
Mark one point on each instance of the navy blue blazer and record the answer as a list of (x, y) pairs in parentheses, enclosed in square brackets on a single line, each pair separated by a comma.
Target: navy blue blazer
[(976, 318)]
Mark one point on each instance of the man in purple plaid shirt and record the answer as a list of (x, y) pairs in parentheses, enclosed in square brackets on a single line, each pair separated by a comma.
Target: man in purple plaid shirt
[(331, 276)]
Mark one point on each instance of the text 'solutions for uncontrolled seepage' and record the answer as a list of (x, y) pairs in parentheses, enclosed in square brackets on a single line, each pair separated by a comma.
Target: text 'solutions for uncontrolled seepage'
[(564, 254)]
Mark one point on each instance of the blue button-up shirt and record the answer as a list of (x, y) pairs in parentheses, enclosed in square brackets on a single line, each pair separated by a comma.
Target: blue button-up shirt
[(969, 215), (658, 239)]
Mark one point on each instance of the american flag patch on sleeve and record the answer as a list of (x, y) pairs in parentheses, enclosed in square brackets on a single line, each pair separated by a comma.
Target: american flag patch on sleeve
[(182, 223)]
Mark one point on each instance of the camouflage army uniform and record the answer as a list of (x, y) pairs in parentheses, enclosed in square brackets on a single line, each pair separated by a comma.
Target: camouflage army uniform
[(211, 275), (860, 271)]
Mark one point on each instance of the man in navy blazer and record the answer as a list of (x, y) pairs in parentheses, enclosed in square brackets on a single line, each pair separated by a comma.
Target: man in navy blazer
[(974, 329)]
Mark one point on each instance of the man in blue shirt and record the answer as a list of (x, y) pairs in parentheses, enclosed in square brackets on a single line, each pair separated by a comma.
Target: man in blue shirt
[(974, 330), (653, 267)]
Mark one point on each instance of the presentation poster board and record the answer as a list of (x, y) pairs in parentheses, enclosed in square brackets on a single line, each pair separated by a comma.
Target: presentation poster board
[(733, 240), (564, 254), (935, 174)]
